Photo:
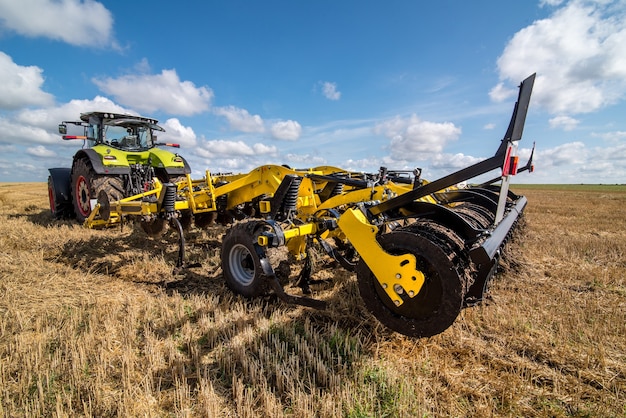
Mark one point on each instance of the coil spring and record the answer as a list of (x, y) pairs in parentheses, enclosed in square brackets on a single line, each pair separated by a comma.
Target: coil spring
[(169, 200), (337, 190), (291, 198)]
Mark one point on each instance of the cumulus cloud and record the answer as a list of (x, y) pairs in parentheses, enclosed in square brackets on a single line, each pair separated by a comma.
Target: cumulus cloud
[(39, 126), (75, 22), (18, 133), (21, 86), (564, 122), (49, 117), (40, 151), (153, 92), (329, 90), (177, 133), (222, 147), (566, 154), (411, 138), (240, 119), (304, 160), (288, 130), (453, 162), (577, 53)]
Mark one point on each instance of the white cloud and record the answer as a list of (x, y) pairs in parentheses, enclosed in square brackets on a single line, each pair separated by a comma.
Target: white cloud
[(330, 91), (577, 54), (489, 127), (412, 138), (288, 130), (153, 92), (563, 155), (177, 133), (454, 162), (40, 151), (240, 120), (39, 126), (17, 133), (75, 22), (222, 147), (617, 137), (304, 160), (564, 122), (49, 117), (21, 86)]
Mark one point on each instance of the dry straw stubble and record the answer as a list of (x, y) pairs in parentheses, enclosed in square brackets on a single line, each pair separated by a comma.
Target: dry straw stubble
[(93, 323)]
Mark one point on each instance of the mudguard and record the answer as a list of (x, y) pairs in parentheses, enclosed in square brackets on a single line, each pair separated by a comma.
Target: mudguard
[(61, 181), (96, 163)]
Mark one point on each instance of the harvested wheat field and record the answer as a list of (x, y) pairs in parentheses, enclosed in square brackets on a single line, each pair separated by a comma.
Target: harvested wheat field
[(94, 323)]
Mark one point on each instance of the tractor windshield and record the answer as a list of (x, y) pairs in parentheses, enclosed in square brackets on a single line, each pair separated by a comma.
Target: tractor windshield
[(132, 137)]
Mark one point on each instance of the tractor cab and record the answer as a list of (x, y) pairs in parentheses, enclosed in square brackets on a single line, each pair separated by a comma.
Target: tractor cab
[(125, 132)]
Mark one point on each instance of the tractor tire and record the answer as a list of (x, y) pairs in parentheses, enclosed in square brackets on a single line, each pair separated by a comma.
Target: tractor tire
[(86, 185), (241, 264), (59, 207)]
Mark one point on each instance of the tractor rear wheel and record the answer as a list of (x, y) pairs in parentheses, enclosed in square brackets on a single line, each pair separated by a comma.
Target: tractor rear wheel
[(241, 264), (86, 185), (440, 299)]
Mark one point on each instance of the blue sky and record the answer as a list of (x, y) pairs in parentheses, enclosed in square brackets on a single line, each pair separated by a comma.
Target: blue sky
[(355, 84)]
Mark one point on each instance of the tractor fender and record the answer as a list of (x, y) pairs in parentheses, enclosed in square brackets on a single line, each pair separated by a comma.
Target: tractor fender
[(61, 181), (96, 163)]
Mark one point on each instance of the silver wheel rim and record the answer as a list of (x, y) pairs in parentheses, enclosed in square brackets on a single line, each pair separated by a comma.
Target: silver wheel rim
[(241, 265)]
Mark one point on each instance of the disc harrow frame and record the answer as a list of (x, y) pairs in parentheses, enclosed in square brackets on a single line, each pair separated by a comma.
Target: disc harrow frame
[(421, 250)]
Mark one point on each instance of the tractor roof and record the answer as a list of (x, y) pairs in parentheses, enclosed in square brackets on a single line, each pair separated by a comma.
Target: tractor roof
[(121, 119)]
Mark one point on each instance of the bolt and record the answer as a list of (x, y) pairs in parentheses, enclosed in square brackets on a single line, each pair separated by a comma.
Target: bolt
[(396, 302), (399, 290), (384, 285), (411, 293), (398, 276)]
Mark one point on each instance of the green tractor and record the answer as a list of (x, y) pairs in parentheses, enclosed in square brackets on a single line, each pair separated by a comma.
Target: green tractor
[(119, 158)]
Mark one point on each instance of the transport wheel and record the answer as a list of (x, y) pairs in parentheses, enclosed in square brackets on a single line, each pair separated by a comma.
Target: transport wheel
[(440, 300), (86, 185), (58, 206), (241, 264)]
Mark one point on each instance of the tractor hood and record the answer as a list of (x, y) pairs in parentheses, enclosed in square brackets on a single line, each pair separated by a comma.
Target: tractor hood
[(113, 157)]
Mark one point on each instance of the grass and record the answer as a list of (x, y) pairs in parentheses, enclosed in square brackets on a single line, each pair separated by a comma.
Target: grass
[(94, 323)]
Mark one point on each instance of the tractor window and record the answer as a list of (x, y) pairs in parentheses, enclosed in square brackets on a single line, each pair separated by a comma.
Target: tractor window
[(135, 138)]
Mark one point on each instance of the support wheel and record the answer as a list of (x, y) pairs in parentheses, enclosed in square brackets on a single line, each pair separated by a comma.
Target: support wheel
[(440, 299), (241, 264)]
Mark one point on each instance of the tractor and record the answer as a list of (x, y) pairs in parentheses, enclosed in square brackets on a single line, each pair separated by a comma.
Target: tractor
[(120, 157)]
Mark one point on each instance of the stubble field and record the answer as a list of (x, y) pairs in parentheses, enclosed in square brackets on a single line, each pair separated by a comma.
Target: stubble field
[(94, 323)]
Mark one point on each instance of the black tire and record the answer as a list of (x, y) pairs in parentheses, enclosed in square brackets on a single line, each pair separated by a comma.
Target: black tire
[(241, 264), (59, 207), (86, 185), (438, 303)]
